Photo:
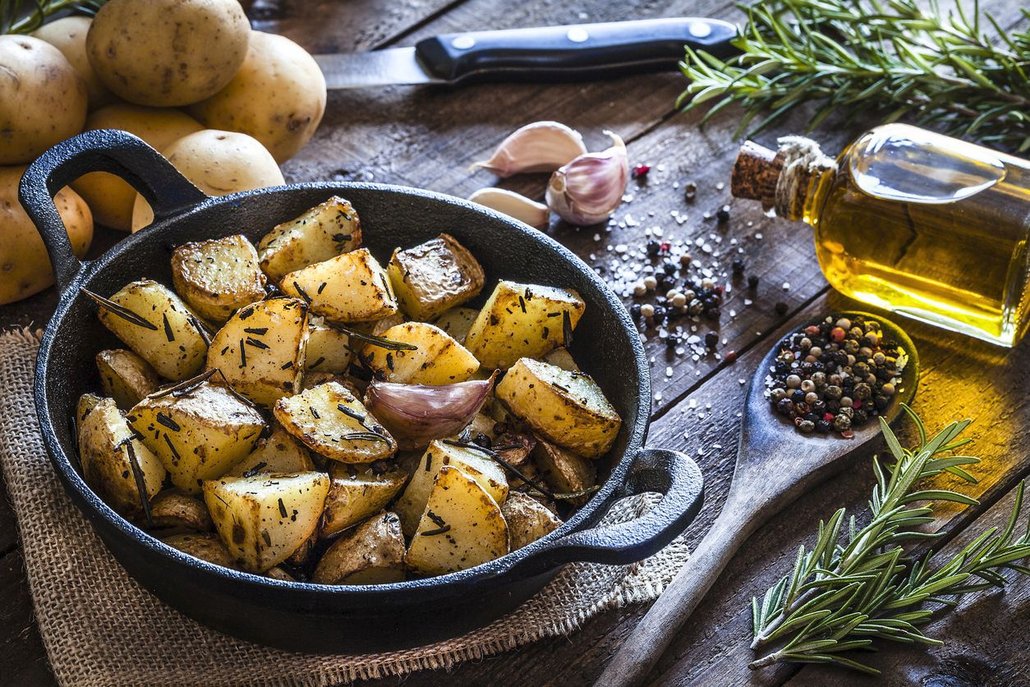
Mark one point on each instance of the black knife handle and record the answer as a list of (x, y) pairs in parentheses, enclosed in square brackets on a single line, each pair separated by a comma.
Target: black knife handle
[(562, 53)]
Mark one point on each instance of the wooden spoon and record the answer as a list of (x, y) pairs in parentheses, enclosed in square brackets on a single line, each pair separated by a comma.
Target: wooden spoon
[(775, 465)]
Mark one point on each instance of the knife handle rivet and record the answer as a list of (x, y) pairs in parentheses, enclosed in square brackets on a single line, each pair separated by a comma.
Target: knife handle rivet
[(577, 34), (699, 29), (463, 42)]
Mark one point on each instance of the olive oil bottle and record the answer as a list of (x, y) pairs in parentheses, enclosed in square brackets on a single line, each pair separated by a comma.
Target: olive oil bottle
[(917, 223)]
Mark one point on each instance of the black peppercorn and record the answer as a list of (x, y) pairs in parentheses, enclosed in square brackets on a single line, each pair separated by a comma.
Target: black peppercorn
[(659, 314), (653, 247), (781, 308), (669, 267), (711, 340), (634, 311)]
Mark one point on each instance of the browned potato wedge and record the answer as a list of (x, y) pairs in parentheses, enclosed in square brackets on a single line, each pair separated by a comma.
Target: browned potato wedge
[(323, 232), (197, 435), (155, 323), (260, 350), (218, 276), (527, 519), (355, 495), (115, 462), (172, 509), (564, 471), (86, 404), (265, 518), (331, 421), (302, 557), (352, 287), (457, 322), (439, 359), (473, 463), (126, 377), (278, 452), (522, 321), (434, 276), (328, 348), (372, 554), (461, 527), (566, 408), (207, 547), (278, 573), (562, 358)]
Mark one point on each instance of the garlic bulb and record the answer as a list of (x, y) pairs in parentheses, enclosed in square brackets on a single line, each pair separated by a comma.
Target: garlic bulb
[(536, 147), (521, 208), (588, 189)]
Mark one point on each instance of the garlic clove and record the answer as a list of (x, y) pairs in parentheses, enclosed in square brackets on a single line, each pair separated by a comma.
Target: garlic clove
[(588, 189), (536, 147), (521, 208)]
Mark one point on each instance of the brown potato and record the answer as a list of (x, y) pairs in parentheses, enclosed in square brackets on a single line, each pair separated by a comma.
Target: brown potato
[(68, 34), (323, 232), (438, 359), (352, 287), (527, 519), (372, 554), (564, 471), (207, 547), (174, 509), (218, 276), (126, 377), (434, 276), (356, 494), (278, 452), (328, 348)]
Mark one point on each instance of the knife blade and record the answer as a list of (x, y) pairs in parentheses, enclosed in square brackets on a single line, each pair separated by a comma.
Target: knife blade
[(552, 53)]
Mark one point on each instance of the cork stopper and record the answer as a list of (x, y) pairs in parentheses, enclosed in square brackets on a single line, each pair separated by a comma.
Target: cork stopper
[(755, 174)]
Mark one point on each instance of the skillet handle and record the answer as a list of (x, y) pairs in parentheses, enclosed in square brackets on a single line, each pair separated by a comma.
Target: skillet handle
[(671, 473), (102, 150)]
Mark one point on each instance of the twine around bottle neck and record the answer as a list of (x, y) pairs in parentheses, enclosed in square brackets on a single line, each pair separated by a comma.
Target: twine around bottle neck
[(801, 161)]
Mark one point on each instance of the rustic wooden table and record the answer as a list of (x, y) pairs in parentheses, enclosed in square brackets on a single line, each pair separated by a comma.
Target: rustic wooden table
[(427, 138)]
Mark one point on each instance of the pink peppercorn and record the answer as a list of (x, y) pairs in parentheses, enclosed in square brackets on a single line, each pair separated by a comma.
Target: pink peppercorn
[(838, 334), (641, 171)]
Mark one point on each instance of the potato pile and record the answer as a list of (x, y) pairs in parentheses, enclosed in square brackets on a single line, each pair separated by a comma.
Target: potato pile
[(297, 410), (226, 104)]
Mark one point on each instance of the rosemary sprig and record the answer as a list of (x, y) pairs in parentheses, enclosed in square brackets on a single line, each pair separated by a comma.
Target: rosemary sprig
[(25, 16), (888, 57), (842, 596)]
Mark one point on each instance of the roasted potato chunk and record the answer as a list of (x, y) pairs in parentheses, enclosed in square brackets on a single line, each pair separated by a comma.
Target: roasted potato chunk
[(434, 276), (372, 554), (562, 358), (207, 547), (278, 452), (566, 408), (352, 287), (218, 276), (260, 350), (438, 359), (357, 494), (564, 471), (125, 377), (328, 348), (473, 462), (527, 519), (457, 322), (331, 421), (86, 404), (198, 435), (461, 527), (115, 463), (323, 232), (154, 322), (176, 510), (265, 518), (523, 321)]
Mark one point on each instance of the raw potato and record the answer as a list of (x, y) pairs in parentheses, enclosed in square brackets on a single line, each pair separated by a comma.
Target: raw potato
[(218, 276), (207, 547), (265, 518), (352, 287), (110, 197), (68, 34), (462, 527), (457, 322), (172, 340), (24, 263), (323, 232), (527, 519), (278, 452), (278, 96), (328, 348), (218, 163), (567, 408), (354, 497), (434, 276), (332, 422), (173, 509), (198, 435), (522, 321), (126, 377), (439, 359), (168, 53), (260, 350), (42, 98), (474, 464), (372, 554), (107, 451), (564, 471)]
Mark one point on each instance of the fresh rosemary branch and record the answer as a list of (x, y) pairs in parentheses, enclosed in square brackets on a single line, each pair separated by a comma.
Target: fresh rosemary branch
[(887, 57), (25, 16), (841, 596)]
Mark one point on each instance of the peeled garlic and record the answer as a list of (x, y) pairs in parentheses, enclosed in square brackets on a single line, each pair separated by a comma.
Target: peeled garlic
[(521, 208), (588, 189), (536, 147)]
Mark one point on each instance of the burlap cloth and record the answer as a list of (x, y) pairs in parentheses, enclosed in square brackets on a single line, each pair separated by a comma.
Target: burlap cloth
[(101, 628)]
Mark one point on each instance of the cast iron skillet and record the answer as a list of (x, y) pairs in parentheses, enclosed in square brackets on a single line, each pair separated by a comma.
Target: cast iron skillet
[(318, 618)]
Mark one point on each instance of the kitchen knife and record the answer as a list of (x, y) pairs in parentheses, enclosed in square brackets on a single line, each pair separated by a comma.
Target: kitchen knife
[(551, 53)]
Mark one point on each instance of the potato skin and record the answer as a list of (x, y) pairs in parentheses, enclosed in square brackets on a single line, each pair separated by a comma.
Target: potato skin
[(167, 53), (375, 548), (527, 519), (329, 229), (438, 360), (24, 263), (218, 276), (278, 96), (434, 276), (42, 98), (126, 377), (68, 34)]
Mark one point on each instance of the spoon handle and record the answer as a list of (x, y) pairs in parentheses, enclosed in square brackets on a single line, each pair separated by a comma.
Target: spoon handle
[(659, 626)]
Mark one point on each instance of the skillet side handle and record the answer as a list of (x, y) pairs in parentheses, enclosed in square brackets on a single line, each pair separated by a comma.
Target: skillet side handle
[(103, 150), (671, 473)]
